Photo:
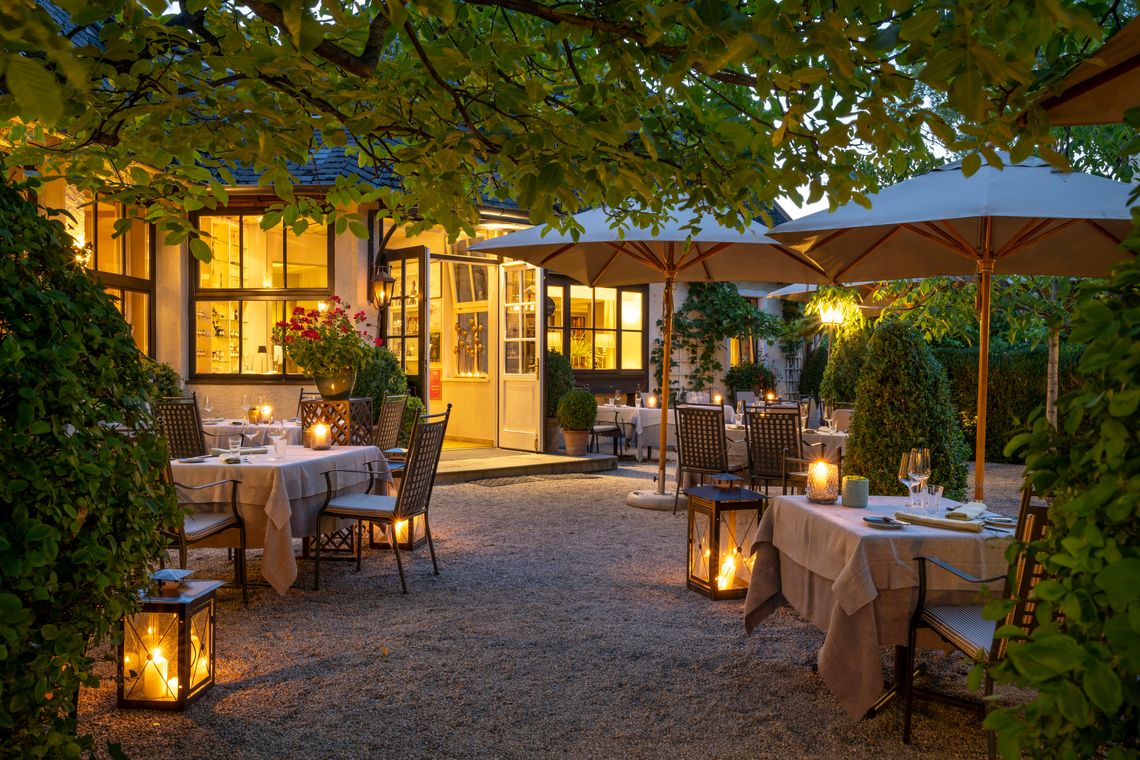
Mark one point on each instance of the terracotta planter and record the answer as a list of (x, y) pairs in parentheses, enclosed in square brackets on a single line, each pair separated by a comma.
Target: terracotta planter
[(576, 442), (336, 387), (550, 440)]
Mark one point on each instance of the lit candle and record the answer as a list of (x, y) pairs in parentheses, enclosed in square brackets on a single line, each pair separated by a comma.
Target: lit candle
[(718, 399), (266, 413), (727, 571), (401, 531), (154, 675), (201, 660), (770, 396), (319, 436), (823, 482), (652, 402)]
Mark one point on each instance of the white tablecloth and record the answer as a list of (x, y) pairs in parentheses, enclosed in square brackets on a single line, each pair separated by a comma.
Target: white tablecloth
[(220, 431), (858, 583), (645, 424), (278, 500)]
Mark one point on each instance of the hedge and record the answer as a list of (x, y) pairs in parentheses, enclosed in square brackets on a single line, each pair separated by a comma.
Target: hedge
[(1016, 387)]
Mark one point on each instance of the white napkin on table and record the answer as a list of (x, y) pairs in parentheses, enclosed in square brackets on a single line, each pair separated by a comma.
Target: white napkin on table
[(968, 511), (974, 526)]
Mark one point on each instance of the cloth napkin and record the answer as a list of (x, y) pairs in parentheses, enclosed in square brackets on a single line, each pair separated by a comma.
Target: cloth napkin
[(974, 526), (243, 450), (969, 511)]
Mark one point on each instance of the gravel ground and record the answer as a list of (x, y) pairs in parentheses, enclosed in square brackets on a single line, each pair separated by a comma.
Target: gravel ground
[(559, 627)]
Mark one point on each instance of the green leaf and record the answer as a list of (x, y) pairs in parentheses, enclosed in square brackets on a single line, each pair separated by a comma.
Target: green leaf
[(920, 26), (291, 10), (200, 250), (971, 164), (35, 89), (1072, 703), (1103, 687), (1119, 581)]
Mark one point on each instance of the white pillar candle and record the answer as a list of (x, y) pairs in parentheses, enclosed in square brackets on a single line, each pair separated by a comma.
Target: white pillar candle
[(319, 436), (154, 675)]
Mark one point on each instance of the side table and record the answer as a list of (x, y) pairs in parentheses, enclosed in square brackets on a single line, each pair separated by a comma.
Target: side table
[(722, 523)]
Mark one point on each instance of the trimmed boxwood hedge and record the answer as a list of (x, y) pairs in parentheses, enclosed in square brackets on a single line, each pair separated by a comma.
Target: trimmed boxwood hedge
[(1016, 387), (903, 401), (841, 376), (815, 362)]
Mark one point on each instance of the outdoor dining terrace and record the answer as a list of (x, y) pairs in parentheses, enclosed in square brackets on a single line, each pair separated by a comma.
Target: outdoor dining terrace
[(560, 625)]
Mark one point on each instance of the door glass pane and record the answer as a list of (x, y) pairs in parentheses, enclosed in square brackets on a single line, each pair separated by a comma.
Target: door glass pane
[(529, 357), (308, 255), (224, 269), (511, 358), (581, 307), (554, 296), (631, 347), (554, 341), (514, 286), (631, 311), (108, 248)]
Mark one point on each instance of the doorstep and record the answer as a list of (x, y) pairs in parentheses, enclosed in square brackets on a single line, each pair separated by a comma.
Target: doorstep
[(465, 465)]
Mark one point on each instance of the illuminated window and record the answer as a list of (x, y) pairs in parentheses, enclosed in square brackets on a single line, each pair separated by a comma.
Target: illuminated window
[(599, 329)]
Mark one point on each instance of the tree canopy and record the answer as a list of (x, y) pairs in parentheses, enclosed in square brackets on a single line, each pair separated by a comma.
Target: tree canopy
[(715, 105)]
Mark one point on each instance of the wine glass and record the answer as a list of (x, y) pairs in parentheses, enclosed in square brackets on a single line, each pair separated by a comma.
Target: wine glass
[(207, 407), (828, 413), (905, 476), (919, 472), (243, 405), (276, 434)]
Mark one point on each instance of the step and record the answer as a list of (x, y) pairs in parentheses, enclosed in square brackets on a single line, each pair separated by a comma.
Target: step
[(515, 464)]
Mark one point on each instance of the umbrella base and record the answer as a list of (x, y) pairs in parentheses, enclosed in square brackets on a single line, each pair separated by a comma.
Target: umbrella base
[(650, 500)]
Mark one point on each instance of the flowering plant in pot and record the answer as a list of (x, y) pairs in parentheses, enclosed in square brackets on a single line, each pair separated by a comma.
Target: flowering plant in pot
[(327, 344), (577, 412)]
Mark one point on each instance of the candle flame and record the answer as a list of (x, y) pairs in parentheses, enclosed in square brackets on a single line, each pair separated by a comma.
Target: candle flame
[(401, 531), (727, 571), (819, 471)]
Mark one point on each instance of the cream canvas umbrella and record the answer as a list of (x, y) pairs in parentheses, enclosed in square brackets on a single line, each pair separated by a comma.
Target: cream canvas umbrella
[(1103, 86), (603, 256), (1028, 218)]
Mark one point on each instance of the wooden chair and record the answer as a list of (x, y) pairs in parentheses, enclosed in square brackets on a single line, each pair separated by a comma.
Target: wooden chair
[(963, 627), (776, 447), (181, 425), (386, 432), (306, 396), (614, 430), (412, 499), (198, 525), (702, 448)]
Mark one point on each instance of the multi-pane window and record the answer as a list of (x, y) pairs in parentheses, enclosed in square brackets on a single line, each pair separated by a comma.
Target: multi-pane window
[(599, 329), (520, 338), (254, 279)]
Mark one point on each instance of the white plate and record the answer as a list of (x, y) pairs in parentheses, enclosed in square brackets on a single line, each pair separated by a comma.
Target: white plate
[(885, 523)]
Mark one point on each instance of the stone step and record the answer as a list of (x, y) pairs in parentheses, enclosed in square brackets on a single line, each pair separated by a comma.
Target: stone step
[(456, 468)]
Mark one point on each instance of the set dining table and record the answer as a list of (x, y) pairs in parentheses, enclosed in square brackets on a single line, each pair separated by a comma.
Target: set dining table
[(645, 424), (277, 500), (858, 583), (218, 430)]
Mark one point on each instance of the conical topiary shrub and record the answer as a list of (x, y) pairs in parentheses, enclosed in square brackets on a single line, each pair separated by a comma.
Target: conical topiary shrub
[(902, 401), (843, 367)]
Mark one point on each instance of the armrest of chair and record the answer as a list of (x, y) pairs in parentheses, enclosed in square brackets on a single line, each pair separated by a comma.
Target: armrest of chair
[(234, 483), (371, 473), (922, 560)]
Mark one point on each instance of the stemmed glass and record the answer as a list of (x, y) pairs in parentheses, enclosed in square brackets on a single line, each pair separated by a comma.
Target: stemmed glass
[(919, 471), (905, 477), (207, 407), (244, 407), (828, 413), (277, 436)]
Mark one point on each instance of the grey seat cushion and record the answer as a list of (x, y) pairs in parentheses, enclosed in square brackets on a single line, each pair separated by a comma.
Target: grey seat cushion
[(962, 626), (371, 506), (199, 525)]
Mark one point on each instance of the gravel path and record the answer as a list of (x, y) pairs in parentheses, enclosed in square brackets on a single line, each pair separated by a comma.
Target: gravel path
[(559, 627)]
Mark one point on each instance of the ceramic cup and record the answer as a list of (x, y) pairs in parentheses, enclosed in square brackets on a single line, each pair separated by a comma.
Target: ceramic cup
[(855, 491)]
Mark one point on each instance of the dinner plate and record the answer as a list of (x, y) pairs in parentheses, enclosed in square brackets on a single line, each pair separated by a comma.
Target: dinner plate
[(192, 460), (886, 523)]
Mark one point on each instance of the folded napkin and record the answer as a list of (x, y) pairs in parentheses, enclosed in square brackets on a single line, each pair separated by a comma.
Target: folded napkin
[(230, 459), (969, 511), (974, 526), (242, 450)]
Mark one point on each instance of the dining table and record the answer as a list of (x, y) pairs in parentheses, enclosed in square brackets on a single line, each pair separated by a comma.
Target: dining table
[(218, 430), (645, 425), (858, 583), (277, 500)]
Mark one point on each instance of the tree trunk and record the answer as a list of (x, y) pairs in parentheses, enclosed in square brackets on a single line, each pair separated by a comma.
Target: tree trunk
[(1051, 375)]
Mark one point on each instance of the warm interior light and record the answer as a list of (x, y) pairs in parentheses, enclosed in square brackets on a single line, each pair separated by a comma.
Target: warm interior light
[(630, 314), (322, 306), (819, 471)]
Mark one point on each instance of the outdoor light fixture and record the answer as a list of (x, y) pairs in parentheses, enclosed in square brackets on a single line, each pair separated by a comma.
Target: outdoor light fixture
[(823, 482), (831, 315), (382, 285), (166, 656), (723, 520), (319, 437), (410, 534)]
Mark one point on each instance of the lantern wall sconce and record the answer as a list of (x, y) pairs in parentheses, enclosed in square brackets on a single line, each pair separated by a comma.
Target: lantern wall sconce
[(381, 286), (723, 520), (166, 656), (831, 315)]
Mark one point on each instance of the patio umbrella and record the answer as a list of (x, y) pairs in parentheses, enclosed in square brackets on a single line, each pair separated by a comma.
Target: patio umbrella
[(1027, 218), (803, 292), (604, 256), (1103, 86)]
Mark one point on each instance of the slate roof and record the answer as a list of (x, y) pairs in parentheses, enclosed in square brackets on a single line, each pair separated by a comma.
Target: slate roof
[(80, 36)]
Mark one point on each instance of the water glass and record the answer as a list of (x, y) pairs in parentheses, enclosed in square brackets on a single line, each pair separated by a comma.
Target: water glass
[(279, 443), (235, 443), (933, 499)]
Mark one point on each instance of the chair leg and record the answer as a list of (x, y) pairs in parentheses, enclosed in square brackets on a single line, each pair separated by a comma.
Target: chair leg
[(431, 546), (677, 492), (359, 542), (182, 551), (991, 737), (317, 555), (906, 677), (391, 528), (242, 567)]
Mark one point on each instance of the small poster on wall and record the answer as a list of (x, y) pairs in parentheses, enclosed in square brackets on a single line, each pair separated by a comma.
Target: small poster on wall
[(435, 384)]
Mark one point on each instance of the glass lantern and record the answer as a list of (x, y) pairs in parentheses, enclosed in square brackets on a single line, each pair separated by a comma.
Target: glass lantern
[(823, 482), (722, 527), (167, 656), (410, 534)]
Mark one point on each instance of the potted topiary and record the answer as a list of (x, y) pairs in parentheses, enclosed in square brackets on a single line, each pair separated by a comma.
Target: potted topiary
[(577, 412), (558, 379)]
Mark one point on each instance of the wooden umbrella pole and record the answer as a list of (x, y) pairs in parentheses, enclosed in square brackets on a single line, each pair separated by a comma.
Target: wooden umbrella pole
[(666, 360), (985, 273)]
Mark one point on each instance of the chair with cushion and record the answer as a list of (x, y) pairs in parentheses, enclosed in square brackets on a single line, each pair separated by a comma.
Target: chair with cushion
[(702, 447), (386, 433), (411, 500), (776, 448), (963, 627), (603, 429), (198, 525)]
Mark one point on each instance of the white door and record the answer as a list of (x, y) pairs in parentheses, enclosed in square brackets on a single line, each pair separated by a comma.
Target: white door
[(520, 389)]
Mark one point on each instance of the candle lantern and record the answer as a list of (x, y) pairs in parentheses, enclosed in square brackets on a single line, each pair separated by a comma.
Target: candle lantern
[(410, 534), (166, 656), (651, 402), (319, 437), (718, 399), (722, 526), (266, 414), (823, 482)]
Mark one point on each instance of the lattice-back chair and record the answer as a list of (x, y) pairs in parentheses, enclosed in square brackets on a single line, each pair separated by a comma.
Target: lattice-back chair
[(774, 436), (702, 448), (386, 432), (963, 627), (181, 425), (306, 396), (198, 525), (412, 499)]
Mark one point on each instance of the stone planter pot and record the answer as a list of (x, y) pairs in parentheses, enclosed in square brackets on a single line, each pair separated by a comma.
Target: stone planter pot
[(336, 387), (576, 442)]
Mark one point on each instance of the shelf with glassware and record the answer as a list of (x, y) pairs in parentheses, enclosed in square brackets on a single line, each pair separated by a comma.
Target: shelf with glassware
[(217, 333)]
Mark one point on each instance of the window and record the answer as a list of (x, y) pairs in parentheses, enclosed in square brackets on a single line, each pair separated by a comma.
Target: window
[(124, 265), (743, 349), (599, 329), (520, 339), (254, 280)]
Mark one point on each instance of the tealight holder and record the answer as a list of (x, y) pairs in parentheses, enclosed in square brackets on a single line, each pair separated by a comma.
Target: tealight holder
[(823, 483)]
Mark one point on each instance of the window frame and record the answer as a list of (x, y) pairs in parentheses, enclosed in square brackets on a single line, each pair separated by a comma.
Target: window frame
[(113, 281), (198, 294), (601, 379)]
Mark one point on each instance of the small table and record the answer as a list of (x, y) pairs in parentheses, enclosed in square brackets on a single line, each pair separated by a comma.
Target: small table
[(858, 583), (722, 527), (220, 431)]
